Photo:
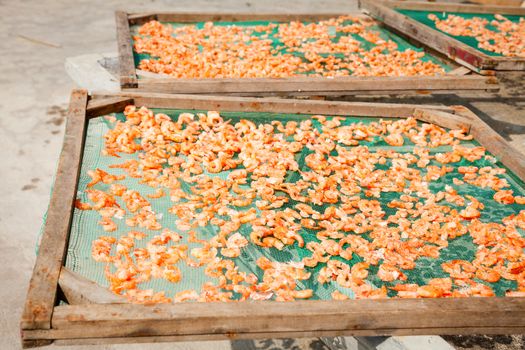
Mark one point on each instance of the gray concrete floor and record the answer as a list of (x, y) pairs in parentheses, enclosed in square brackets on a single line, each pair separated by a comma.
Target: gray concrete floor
[(35, 39)]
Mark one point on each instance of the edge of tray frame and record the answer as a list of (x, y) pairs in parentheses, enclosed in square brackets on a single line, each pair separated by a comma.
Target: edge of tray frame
[(44, 322), (363, 317), (269, 104), (384, 11), (42, 291), (190, 17), (129, 80), (127, 75), (318, 85)]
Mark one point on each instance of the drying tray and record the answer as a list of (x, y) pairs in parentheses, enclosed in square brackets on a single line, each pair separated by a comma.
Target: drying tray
[(68, 305), (456, 78)]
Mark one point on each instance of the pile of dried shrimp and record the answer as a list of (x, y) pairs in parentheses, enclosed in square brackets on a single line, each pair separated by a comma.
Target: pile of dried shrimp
[(326, 48), (229, 175), (508, 38)]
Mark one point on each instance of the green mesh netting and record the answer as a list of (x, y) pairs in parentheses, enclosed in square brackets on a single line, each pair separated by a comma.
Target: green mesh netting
[(85, 229), (422, 16), (277, 44)]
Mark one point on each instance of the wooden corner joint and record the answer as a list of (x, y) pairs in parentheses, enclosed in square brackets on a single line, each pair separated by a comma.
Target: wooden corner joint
[(32, 321)]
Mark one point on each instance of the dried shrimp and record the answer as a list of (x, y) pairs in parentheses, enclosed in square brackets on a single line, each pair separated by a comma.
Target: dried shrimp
[(246, 183), (335, 47), (507, 37)]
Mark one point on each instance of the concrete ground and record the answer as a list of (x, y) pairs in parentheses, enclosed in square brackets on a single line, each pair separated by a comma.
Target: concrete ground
[(35, 39)]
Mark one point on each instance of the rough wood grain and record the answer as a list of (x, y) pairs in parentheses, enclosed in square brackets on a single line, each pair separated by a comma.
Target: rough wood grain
[(121, 320), (318, 84), (229, 103), (43, 285), (190, 17), (343, 94), (265, 335), (277, 335), (128, 78), (79, 290), (443, 119)]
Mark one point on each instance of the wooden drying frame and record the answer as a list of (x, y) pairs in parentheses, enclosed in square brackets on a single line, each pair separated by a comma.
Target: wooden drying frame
[(385, 11), (93, 315), (459, 79)]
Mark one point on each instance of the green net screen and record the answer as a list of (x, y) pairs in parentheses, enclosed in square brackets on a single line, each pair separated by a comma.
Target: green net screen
[(281, 49), (85, 230)]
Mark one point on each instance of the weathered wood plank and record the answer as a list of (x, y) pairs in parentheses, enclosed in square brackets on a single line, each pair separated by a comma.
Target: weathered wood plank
[(79, 290), (100, 107), (118, 320), (191, 17), (41, 295), (128, 78), (264, 335), (443, 119), (323, 94), (318, 84), (229, 103)]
